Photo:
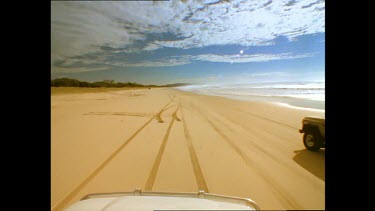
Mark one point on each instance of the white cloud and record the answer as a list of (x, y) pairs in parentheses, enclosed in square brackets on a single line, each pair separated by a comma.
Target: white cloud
[(243, 58), (167, 62), (248, 23), (80, 27), (77, 69), (186, 59), (151, 47), (268, 74)]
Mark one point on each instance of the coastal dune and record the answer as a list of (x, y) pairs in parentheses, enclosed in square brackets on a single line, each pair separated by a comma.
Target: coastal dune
[(162, 139)]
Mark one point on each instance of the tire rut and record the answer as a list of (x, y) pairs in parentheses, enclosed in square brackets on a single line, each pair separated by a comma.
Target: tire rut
[(152, 176), (61, 204), (201, 183), (261, 150), (282, 195), (158, 115), (270, 120)]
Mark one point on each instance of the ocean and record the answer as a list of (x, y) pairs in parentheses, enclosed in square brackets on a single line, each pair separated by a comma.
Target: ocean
[(309, 95)]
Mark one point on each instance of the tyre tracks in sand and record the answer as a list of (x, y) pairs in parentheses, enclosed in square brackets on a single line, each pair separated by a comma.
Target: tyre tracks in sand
[(152, 176), (285, 198), (201, 183), (67, 199), (193, 157)]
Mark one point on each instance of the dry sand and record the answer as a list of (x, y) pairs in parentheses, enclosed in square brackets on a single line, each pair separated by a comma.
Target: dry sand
[(162, 139)]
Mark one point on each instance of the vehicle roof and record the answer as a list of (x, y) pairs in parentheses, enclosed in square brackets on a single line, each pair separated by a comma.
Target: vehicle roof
[(150, 203)]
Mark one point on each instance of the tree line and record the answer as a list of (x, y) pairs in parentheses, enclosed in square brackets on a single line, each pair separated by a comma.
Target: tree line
[(69, 82)]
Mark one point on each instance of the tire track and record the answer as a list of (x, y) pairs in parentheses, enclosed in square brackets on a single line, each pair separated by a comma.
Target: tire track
[(274, 137), (158, 115), (135, 114), (255, 145), (152, 176), (270, 120), (201, 183), (284, 197), (61, 204), (279, 145)]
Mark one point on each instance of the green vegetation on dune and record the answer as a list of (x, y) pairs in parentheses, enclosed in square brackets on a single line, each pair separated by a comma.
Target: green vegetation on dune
[(68, 82)]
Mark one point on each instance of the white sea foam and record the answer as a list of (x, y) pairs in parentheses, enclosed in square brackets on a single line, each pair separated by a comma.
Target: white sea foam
[(285, 92)]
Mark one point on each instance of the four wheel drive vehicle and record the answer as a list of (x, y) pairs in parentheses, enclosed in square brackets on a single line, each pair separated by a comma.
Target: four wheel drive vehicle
[(314, 129), (149, 201)]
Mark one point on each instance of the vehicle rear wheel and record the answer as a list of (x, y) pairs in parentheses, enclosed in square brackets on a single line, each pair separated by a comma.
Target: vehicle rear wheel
[(311, 140)]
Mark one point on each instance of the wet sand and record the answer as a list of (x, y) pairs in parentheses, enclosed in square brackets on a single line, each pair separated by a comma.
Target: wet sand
[(162, 139)]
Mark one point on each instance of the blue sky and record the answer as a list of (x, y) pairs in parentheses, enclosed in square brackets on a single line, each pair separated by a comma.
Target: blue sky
[(195, 41)]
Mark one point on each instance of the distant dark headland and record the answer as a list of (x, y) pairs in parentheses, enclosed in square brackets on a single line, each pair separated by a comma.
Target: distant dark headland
[(68, 82)]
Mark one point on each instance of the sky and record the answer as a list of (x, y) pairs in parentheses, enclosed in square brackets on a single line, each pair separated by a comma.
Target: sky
[(189, 41)]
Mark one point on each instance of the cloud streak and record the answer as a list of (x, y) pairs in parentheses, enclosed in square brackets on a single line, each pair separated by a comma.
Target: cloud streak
[(241, 58), (77, 69), (182, 60)]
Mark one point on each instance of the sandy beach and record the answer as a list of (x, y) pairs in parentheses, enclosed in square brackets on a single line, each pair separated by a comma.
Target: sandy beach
[(162, 139)]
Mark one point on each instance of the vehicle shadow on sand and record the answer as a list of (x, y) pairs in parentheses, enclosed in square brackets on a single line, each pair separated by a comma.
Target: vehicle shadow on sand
[(314, 162)]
